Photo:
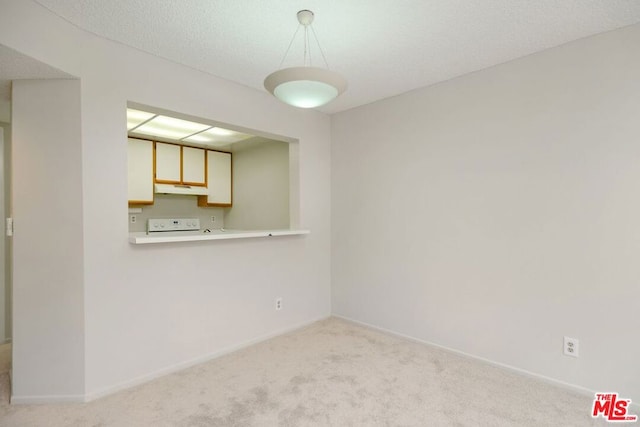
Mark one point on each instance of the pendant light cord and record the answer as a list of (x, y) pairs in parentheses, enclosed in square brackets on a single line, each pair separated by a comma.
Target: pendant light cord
[(289, 48), (319, 47), (307, 46)]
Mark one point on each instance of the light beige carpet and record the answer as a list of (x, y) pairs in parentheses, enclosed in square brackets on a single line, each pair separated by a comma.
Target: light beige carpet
[(332, 373)]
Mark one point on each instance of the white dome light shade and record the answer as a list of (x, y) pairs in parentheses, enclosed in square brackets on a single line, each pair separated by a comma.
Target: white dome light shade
[(305, 87), (305, 93)]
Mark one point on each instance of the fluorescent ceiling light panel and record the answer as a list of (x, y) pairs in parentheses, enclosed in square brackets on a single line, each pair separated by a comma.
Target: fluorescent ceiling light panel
[(135, 117), (169, 127), (217, 135)]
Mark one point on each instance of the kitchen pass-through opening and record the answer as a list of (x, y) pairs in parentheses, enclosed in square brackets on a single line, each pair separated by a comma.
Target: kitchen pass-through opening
[(226, 176)]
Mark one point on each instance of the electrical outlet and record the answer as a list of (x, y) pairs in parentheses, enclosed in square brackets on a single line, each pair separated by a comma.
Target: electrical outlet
[(278, 304), (213, 219), (571, 347), (133, 219)]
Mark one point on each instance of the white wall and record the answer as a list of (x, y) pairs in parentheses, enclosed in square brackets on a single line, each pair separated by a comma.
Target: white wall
[(8, 245), (48, 299), (153, 308), (496, 212), (3, 284), (5, 111), (260, 188)]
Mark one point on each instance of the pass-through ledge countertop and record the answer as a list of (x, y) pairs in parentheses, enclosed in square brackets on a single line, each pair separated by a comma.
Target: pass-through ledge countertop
[(140, 238)]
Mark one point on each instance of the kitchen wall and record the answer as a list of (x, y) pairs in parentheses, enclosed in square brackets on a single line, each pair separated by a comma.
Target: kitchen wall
[(261, 191), (152, 309), (176, 206), (499, 211), (260, 187)]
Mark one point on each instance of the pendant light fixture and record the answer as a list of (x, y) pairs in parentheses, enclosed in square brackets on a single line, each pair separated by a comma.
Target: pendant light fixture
[(306, 86)]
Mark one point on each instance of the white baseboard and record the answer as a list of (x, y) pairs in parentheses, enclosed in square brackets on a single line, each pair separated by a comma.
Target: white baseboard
[(581, 390), (196, 361), (38, 400)]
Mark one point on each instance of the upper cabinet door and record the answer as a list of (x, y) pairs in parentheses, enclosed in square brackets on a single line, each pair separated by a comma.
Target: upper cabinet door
[(140, 167), (219, 183), (193, 166), (168, 163)]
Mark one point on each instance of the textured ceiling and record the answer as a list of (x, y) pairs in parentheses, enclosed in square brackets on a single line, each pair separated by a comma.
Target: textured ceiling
[(382, 47), (15, 65)]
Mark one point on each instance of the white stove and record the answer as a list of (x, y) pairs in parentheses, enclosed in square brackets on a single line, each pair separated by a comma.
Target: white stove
[(173, 224)]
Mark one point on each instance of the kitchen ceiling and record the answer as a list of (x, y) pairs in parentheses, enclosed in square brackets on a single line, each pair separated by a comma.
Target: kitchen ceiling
[(382, 47), (166, 128)]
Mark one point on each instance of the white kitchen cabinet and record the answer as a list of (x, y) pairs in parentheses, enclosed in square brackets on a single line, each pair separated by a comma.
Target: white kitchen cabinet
[(193, 166), (168, 163), (219, 182), (140, 171), (176, 164)]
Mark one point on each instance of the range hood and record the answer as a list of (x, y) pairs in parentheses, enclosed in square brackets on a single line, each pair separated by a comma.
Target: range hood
[(180, 189)]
